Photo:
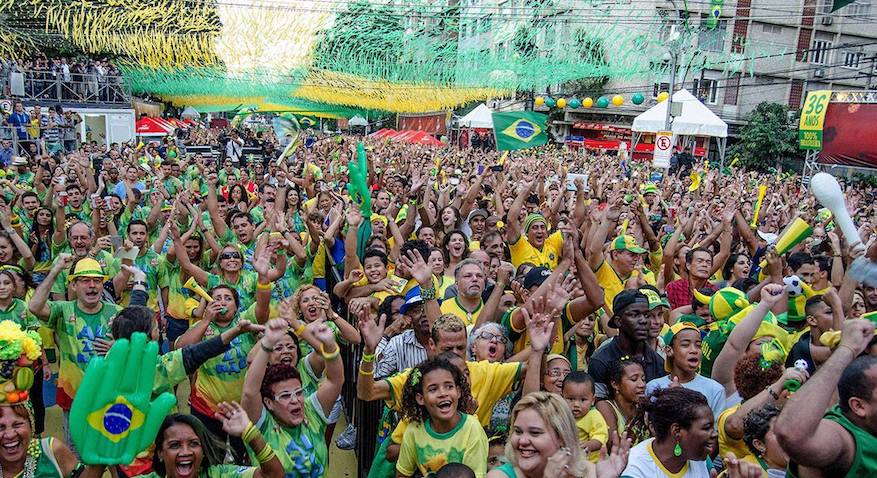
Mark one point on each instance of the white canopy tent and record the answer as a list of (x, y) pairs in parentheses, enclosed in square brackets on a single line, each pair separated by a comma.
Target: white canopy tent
[(480, 117), (190, 113), (695, 120), (357, 121)]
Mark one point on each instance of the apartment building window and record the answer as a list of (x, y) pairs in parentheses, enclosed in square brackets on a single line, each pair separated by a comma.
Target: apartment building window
[(853, 59), (820, 52), (772, 29), (714, 39), (707, 90), (859, 8), (659, 87)]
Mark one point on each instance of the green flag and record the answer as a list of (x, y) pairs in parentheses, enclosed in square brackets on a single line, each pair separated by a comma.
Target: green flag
[(838, 4), (519, 130)]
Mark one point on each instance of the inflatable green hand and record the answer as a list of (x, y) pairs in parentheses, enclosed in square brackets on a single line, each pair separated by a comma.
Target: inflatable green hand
[(113, 417), (357, 184)]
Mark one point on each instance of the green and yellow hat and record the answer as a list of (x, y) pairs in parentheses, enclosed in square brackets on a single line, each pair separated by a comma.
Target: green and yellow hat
[(655, 298), (379, 217), (649, 188), (671, 332), (725, 303), (87, 267), (626, 243), (533, 219)]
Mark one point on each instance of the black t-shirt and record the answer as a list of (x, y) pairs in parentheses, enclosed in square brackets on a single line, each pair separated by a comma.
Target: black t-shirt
[(801, 351), (603, 358)]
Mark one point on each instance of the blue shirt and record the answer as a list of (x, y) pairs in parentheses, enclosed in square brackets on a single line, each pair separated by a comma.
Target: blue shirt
[(20, 121), (5, 156), (120, 188)]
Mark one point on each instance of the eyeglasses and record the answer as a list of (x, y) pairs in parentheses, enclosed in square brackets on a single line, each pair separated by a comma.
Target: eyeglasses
[(557, 372), (230, 255), (289, 395), (487, 335)]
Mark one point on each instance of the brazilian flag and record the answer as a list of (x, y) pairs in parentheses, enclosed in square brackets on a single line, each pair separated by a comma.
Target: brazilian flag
[(519, 130)]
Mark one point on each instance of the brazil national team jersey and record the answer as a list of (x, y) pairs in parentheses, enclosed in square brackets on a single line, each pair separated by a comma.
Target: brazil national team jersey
[(246, 286), (219, 471), (221, 379), (18, 313), (425, 450), (75, 332), (548, 256), (302, 449)]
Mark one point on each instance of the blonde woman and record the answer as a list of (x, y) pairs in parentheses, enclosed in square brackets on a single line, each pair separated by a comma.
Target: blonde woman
[(543, 443)]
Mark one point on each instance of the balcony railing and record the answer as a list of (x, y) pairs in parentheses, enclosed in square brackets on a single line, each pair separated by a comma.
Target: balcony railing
[(46, 86)]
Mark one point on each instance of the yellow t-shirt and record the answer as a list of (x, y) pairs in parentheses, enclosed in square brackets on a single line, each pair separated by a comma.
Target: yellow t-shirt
[(425, 450), (522, 251), (521, 338), (453, 306), (612, 284), (593, 426), (443, 283), (727, 443), (489, 383)]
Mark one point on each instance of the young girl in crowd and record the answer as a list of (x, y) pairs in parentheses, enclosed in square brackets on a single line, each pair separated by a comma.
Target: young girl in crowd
[(437, 401), (623, 410)]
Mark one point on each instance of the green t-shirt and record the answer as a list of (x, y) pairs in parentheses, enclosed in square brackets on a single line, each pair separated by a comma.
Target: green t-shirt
[(218, 471), (150, 264), (425, 450), (18, 313), (302, 449), (221, 378), (246, 286), (169, 371), (110, 265), (75, 332)]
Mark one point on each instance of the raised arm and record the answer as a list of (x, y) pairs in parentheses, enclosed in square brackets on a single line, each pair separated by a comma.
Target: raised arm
[(219, 226), (198, 273), (38, 305), (372, 329), (809, 439), (251, 397), (513, 223)]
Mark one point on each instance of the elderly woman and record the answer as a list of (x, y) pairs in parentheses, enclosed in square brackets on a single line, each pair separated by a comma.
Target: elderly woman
[(543, 443), (490, 342)]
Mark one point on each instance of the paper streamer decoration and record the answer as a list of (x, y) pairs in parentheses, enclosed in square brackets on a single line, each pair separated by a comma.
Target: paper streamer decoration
[(762, 190), (113, 417)]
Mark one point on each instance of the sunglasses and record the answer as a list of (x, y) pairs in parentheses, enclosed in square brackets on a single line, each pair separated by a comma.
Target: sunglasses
[(230, 255)]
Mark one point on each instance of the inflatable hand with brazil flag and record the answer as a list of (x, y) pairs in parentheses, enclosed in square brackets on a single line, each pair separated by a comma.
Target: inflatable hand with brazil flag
[(357, 187), (113, 417)]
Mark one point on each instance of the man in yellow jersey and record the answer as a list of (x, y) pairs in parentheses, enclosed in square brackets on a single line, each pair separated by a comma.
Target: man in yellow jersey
[(622, 265), (535, 246), (469, 278)]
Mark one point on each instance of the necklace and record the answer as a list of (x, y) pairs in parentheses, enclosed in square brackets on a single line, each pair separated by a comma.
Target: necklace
[(30, 462)]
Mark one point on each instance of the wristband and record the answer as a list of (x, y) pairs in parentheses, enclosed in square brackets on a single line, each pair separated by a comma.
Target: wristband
[(366, 372), (427, 293), (300, 330), (330, 356), (249, 433), (368, 358), (268, 286), (267, 454)]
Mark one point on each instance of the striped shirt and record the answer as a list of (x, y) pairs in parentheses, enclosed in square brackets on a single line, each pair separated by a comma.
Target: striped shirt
[(402, 352)]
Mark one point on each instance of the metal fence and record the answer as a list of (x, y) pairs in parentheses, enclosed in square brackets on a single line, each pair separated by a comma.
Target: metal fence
[(13, 144), (48, 86)]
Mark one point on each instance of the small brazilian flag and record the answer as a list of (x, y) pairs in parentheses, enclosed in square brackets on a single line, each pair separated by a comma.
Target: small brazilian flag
[(519, 130)]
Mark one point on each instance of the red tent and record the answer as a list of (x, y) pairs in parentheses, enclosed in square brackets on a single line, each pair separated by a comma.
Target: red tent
[(383, 133), (147, 126)]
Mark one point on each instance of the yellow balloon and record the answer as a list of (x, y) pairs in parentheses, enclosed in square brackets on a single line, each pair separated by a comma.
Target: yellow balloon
[(561, 103), (588, 102), (663, 96), (617, 100), (540, 101)]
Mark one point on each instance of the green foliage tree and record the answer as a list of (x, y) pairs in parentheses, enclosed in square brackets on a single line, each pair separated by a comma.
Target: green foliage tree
[(769, 139)]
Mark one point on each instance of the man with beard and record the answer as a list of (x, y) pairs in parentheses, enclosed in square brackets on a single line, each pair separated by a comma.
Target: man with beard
[(467, 304), (631, 318), (78, 240), (77, 324), (535, 246)]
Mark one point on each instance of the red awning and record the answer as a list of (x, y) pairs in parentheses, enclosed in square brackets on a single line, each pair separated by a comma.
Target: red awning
[(383, 133), (178, 123), (153, 127)]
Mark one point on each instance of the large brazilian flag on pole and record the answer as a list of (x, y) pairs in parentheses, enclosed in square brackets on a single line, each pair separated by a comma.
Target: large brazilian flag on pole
[(519, 130)]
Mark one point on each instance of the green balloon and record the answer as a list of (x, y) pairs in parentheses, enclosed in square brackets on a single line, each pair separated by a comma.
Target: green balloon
[(574, 103), (638, 98), (603, 102), (550, 102)]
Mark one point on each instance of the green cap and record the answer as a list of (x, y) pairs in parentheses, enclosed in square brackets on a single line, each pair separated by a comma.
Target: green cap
[(626, 243)]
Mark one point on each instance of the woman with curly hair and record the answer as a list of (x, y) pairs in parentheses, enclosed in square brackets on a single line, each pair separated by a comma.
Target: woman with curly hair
[(758, 433), (682, 422), (437, 402)]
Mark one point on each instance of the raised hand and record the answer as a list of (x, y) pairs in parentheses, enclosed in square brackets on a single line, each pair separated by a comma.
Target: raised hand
[(234, 419), (420, 270), (275, 330), (611, 466), (112, 417), (771, 294), (372, 330)]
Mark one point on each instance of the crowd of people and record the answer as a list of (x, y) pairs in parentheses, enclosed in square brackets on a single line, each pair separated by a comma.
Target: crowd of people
[(32, 132), (64, 78), (544, 313)]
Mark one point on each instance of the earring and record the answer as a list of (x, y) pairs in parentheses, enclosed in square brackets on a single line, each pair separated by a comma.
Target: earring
[(677, 450)]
